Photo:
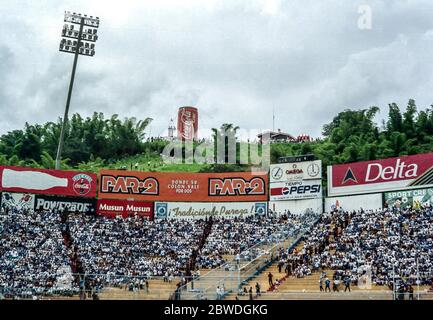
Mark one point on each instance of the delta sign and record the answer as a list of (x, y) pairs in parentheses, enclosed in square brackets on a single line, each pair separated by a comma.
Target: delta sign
[(381, 175)]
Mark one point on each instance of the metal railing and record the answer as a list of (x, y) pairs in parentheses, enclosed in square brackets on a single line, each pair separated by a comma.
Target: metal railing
[(235, 273)]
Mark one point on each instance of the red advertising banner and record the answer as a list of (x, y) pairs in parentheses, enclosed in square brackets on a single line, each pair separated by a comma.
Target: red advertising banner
[(125, 208), (51, 182), (164, 186), (380, 175), (187, 123)]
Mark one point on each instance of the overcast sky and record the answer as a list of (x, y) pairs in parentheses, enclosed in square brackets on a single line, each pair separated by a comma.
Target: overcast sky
[(234, 60)]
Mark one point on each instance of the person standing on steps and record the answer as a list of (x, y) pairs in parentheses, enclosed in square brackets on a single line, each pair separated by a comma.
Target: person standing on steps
[(335, 284), (410, 290), (258, 290), (280, 266), (270, 277), (347, 284), (327, 284)]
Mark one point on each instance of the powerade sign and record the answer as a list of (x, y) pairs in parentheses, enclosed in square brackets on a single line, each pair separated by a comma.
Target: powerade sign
[(297, 190), (81, 205)]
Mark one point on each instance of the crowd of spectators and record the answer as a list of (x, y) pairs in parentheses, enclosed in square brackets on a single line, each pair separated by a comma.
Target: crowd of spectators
[(391, 247), (117, 248), (33, 257), (237, 237)]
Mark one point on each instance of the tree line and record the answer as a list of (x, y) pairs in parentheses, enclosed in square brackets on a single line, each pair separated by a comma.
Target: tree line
[(94, 142), (353, 136), (91, 139)]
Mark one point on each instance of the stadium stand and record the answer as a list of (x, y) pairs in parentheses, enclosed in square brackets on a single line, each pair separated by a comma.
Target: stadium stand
[(380, 254), (34, 259)]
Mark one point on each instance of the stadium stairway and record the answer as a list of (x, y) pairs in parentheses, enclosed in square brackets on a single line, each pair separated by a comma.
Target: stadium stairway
[(68, 241), (307, 288), (158, 290), (262, 279)]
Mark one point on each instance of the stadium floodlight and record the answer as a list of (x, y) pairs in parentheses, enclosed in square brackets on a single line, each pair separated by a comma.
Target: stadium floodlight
[(78, 41)]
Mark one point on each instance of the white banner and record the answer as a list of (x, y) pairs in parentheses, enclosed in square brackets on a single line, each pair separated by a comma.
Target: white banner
[(296, 190), (201, 210), (354, 203), (20, 201), (298, 207), (296, 171)]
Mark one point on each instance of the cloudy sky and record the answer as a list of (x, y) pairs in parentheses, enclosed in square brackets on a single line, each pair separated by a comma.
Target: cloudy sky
[(237, 61)]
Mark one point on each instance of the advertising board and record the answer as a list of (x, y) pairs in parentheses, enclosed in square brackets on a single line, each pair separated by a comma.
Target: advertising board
[(298, 207), (354, 203), (178, 187), (296, 190), (19, 201), (381, 175), (295, 171), (414, 199), (52, 203), (196, 210), (124, 208), (187, 123), (26, 201), (52, 182)]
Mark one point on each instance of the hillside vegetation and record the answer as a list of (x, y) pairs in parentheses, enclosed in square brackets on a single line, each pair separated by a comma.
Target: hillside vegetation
[(94, 142)]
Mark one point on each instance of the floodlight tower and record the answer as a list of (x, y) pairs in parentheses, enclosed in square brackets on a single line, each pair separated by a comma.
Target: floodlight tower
[(77, 42)]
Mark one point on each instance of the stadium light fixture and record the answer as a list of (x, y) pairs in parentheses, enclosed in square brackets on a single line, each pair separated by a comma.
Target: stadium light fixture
[(79, 34)]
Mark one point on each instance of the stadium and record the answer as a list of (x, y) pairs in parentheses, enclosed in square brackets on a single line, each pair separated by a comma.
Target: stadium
[(213, 236), (97, 207)]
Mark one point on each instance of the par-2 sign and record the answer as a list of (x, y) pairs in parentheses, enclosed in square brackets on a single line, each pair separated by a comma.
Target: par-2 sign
[(178, 187)]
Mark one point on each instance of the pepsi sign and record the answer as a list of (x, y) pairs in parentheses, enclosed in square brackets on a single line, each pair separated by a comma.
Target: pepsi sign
[(305, 189)]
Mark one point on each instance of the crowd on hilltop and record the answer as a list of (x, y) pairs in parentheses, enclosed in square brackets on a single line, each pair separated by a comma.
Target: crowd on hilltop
[(33, 257), (391, 247)]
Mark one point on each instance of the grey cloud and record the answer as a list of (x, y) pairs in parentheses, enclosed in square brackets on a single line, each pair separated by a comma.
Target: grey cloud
[(235, 61)]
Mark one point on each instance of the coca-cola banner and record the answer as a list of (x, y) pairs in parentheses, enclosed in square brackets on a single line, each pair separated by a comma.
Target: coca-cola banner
[(182, 186), (108, 207), (187, 123), (52, 182), (381, 175), (61, 204)]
